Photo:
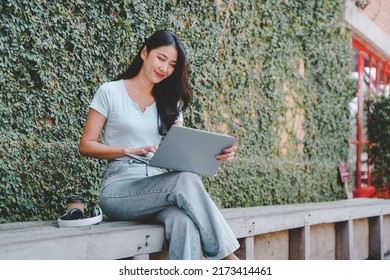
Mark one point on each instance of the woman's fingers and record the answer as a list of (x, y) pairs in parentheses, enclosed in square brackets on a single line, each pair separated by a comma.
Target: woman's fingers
[(145, 150), (227, 154)]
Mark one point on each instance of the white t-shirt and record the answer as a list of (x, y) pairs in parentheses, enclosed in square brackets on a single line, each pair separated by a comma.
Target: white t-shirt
[(126, 125)]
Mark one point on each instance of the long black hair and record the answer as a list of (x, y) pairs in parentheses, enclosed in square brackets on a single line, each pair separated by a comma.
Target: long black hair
[(173, 94)]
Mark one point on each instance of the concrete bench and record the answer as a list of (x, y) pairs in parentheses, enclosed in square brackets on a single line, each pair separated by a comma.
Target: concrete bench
[(346, 229)]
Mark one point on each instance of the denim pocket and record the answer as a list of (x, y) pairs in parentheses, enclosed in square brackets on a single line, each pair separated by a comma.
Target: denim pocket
[(116, 168)]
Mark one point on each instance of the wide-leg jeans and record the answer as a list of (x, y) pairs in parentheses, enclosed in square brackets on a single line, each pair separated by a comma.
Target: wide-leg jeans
[(194, 226)]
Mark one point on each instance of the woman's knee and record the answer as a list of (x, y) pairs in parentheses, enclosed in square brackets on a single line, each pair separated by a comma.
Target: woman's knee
[(176, 219), (188, 181)]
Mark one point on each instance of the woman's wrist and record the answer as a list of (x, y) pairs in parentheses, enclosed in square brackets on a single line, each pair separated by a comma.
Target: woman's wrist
[(127, 150)]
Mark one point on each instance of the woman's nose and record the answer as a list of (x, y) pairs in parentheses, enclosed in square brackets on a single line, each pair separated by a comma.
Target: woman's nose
[(164, 68)]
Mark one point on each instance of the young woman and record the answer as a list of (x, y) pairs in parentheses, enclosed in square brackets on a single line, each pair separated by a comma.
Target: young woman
[(135, 110)]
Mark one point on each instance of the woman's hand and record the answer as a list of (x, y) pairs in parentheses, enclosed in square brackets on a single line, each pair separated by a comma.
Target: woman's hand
[(142, 151), (227, 154)]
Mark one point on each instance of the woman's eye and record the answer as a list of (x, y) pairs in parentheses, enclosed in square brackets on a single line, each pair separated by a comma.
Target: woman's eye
[(160, 58)]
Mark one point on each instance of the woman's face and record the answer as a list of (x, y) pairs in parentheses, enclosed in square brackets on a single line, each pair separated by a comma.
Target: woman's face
[(159, 63)]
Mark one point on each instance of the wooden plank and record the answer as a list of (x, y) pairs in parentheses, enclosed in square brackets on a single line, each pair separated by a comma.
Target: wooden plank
[(344, 240), (370, 206), (247, 248), (243, 226), (141, 257), (50, 231), (108, 240), (250, 248), (299, 243), (376, 238)]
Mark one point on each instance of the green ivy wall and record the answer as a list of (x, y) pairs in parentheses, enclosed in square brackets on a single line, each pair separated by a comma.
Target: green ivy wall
[(378, 123), (275, 72)]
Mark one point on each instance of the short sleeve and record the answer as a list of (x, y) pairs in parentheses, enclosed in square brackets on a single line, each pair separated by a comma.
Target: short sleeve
[(100, 101)]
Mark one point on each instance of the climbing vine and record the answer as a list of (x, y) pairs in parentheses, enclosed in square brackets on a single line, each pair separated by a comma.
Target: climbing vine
[(274, 72)]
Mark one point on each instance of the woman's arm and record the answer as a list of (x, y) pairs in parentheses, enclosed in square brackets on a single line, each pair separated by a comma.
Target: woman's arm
[(89, 144), (91, 147)]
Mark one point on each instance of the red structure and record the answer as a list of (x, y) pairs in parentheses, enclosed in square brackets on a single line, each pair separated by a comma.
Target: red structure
[(373, 77)]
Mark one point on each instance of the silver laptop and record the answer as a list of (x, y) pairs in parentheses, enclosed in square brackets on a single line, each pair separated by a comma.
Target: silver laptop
[(188, 149)]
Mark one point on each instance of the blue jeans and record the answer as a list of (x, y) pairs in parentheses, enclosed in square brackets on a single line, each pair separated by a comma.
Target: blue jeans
[(193, 224)]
